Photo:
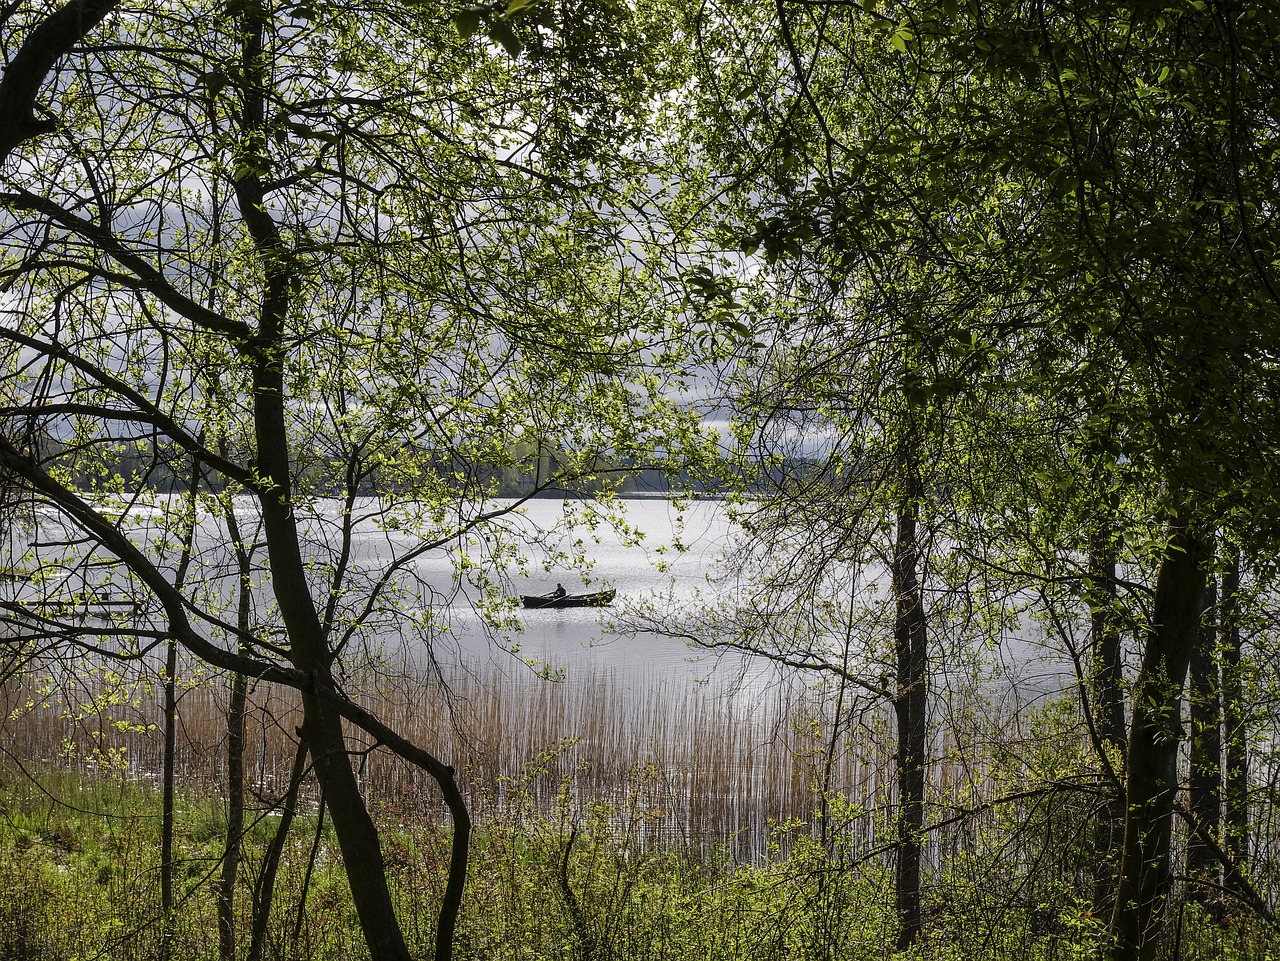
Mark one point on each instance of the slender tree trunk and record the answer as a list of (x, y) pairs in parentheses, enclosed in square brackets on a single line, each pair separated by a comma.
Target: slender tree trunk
[(300, 914), (265, 888), (1151, 774), (308, 648), (235, 818), (236, 704), (910, 702), (1204, 784), (167, 794), (169, 762), (1107, 688), (1235, 813), (322, 727)]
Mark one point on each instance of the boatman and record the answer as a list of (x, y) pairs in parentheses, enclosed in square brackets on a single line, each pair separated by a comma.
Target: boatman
[(559, 591)]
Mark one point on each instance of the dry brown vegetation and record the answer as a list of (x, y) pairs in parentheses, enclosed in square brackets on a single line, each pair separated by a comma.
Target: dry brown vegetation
[(641, 778), (709, 767)]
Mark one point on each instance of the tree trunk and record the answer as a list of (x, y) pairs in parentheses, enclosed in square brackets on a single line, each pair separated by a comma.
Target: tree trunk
[(1204, 784), (322, 727), (235, 818), (167, 795), (235, 755), (1151, 774), (265, 888), (1107, 688), (169, 761), (300, 914), (1235, 814), (909, 703), (308, 648)]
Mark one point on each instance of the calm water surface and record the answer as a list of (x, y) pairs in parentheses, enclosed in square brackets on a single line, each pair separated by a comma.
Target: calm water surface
[(581, 641), (577, 641)]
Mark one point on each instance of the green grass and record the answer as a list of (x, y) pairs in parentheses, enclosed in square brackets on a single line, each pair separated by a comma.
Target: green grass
[(79, 879)]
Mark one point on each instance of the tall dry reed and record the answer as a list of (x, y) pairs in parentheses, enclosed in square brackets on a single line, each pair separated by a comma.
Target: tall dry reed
[(677, 763)]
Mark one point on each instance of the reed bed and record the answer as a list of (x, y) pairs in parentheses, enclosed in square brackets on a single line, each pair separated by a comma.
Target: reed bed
[(794, 828), (674, 764), (687, 764)]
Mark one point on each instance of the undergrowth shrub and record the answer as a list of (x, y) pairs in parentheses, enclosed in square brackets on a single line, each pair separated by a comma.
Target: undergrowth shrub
[(579, 881), (24, 907)]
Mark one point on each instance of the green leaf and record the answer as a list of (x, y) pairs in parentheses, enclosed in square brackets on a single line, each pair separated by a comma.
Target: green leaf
[(517, 6), (500, 32), (467, 21), (214, 81)]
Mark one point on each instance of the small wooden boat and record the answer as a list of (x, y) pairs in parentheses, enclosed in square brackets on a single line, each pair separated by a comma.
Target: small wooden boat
[(594, 599)]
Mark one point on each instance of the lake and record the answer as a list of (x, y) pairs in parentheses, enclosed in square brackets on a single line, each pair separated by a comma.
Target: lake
[(713, 744), (670, 553), (576, 641), (579, 640)]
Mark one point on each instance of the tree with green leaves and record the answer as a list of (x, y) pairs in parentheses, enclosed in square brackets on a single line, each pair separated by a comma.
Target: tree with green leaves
[(1121, 120), (875, 345), (1103, 175), (340, 265)]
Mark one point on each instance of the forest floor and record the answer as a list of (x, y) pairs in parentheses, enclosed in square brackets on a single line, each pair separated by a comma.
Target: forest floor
[(80, 879)]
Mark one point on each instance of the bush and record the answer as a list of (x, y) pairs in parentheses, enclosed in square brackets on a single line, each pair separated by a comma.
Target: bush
[(24, 907)]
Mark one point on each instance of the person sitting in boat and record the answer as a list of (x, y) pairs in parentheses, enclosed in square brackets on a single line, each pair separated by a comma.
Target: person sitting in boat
[(559, 591)]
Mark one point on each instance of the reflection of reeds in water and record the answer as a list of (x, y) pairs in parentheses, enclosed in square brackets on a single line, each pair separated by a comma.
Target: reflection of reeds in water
[(676, 764)]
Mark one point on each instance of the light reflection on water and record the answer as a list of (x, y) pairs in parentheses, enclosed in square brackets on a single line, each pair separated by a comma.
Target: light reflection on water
[(580, 642), (573, 641), (576, 643), (656, 700)]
